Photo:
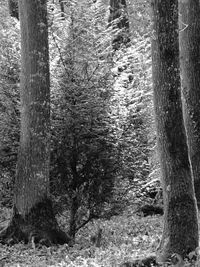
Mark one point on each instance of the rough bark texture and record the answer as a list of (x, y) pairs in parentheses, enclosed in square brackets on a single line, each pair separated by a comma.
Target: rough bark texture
[(32, 207), (119, 20), (13, 8), (32, 176), (190, 68), (180, 233)]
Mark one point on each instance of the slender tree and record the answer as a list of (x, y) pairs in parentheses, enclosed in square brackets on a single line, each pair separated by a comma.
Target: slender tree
[(84, 162), (119, 20), (190, 67), (180, 233), (33, 215)]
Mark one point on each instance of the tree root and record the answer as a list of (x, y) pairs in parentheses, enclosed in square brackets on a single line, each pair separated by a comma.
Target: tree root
[(39, 226)]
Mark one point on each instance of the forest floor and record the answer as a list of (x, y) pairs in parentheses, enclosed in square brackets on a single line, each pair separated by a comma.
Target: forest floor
[(124, 238)]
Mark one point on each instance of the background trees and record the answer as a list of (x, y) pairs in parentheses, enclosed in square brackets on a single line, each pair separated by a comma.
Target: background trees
[(9, 99), (112, 116), (118, 18)]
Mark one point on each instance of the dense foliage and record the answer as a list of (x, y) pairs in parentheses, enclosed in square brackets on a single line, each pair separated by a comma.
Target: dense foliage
[(84, 160), (9, 101), (101, 105)]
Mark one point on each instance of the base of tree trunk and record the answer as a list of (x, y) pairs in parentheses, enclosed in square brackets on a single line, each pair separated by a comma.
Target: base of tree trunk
[(38, 226)]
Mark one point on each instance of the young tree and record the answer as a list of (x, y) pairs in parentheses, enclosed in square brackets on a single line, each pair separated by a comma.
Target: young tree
[(33, 216), (84, 161), (190, 67), (119, 20), (180, 233)]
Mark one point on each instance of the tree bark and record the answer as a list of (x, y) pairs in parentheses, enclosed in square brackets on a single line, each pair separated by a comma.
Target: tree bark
[(33, 215), (180, 232), (73, 218), (190, 69), (119, 20)]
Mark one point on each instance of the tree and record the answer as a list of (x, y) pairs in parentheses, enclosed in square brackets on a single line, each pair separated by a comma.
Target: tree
[(33, 216), (190, 67), (84, 151), (180, 233), (119, 20), (9, 101)]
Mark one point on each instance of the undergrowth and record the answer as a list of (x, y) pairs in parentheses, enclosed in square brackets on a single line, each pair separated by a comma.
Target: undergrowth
[(124, 238)]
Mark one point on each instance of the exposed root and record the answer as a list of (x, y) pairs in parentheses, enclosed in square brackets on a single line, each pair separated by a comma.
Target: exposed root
[(39, 226)]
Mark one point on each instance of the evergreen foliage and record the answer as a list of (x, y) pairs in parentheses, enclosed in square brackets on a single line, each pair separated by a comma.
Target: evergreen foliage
[(84, 161)]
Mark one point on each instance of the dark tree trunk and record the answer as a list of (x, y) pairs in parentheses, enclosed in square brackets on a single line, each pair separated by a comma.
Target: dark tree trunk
[(119, 21), (180, 233), (13, 8), (33, 216), (190, 67), (75, 185)]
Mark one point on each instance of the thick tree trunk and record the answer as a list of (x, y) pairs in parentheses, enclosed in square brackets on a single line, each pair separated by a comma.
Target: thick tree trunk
[(32, 175), (190, 68), (33, 213), (180, 233), (119, 20)]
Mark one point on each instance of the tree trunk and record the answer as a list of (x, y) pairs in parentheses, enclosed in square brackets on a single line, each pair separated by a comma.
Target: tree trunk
[(190, 68), (73, 218), (33, 215), (180, 233), (119, 20), (75, 186)]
